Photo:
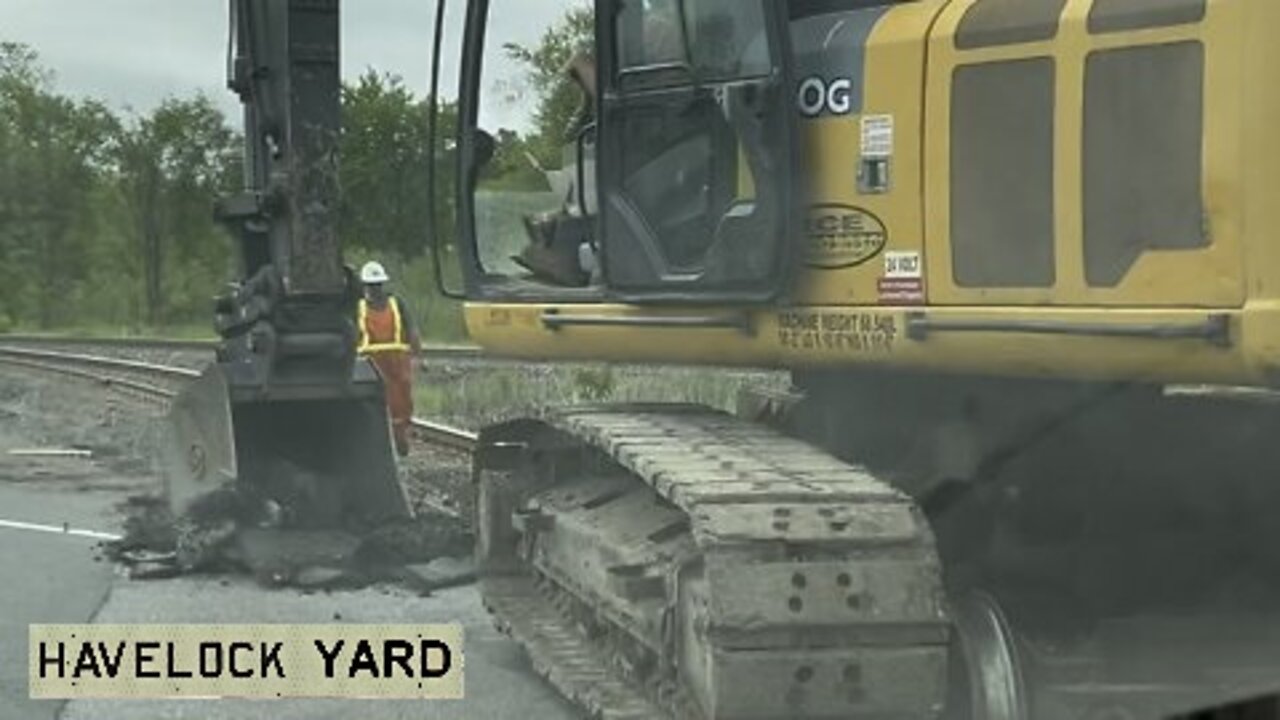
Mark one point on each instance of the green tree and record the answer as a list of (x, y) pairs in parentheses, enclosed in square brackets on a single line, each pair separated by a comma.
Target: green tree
[(55, 152), (104, 220), (20, 65), (556, 97), (385, 156), (510, 168), (173, 164)]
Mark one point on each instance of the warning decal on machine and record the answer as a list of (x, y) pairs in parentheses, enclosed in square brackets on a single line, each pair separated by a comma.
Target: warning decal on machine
[(901, 292), (877, 137), (849, 332), (903, 280)]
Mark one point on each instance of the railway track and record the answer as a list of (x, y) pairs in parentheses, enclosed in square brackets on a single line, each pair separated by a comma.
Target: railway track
[(160, 383), (457, 352)]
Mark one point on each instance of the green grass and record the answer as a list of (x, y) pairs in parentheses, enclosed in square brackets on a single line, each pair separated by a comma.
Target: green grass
[(473, 395), (430, 400), (438, 319), (478, 396), (500, 226)]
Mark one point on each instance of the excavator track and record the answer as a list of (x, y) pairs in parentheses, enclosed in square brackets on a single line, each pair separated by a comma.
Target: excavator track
[(675, 561)]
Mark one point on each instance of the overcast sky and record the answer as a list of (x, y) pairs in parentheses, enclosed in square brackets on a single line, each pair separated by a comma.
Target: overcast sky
[(134, 53)]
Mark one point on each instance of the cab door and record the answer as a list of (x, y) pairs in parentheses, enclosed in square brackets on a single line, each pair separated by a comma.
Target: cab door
[(696, 145)]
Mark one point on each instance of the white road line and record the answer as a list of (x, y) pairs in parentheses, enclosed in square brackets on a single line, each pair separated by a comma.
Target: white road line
[(55, 530)]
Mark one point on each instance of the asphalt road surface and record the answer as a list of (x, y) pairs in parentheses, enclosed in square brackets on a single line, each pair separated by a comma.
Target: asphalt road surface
[(47, 578), (498, 681), (50, 575), (53, 578)]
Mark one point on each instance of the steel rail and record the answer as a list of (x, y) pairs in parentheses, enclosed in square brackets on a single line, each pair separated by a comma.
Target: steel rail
[(460, 352), (126, 343), (94, 368), (148, 389), (97, 361), (445, 436)]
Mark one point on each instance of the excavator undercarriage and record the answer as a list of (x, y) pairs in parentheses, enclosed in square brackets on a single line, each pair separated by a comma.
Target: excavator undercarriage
[(678, 559), (675, 561)]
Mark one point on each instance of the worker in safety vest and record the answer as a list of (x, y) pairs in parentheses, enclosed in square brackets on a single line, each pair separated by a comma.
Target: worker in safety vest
[(389, 340)]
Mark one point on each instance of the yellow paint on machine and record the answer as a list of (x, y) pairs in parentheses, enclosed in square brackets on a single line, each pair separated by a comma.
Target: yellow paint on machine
[(856, 243), (831, 151), (850, 336), (1209, 276)]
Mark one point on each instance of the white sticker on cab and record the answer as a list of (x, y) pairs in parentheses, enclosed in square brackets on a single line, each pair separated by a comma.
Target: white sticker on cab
[(901, 265), (877, 137)]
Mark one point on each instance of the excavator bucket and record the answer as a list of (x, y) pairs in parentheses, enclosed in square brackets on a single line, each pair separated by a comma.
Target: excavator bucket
[(313, 458)]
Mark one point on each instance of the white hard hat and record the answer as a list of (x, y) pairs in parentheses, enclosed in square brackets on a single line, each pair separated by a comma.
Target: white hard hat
[(373, 273)]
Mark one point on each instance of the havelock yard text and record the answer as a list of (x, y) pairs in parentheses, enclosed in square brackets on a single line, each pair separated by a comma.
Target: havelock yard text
[(246, 661)]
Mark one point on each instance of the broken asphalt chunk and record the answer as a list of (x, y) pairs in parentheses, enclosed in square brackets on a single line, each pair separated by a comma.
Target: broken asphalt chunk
[(440, 573)]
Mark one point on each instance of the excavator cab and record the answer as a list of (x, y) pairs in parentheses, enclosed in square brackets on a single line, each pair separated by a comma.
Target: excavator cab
[(288, 420), (678, 187)]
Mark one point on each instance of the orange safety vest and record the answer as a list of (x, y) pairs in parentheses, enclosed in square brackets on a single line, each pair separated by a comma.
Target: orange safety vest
[(398, 342)]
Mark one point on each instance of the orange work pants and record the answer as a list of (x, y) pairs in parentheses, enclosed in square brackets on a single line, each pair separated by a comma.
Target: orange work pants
[(396, 369)]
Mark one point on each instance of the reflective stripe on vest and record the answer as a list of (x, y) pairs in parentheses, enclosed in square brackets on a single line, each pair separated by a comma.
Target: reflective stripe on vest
[(397, 344)]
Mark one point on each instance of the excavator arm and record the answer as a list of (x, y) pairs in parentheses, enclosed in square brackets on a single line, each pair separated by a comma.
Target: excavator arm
[(296, 295), (288, 417)]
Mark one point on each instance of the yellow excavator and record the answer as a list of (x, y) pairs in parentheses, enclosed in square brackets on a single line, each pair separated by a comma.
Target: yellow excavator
[(1017, 256)]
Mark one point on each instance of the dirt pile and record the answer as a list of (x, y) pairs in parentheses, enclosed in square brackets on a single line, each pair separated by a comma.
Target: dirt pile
[(229, 531)]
